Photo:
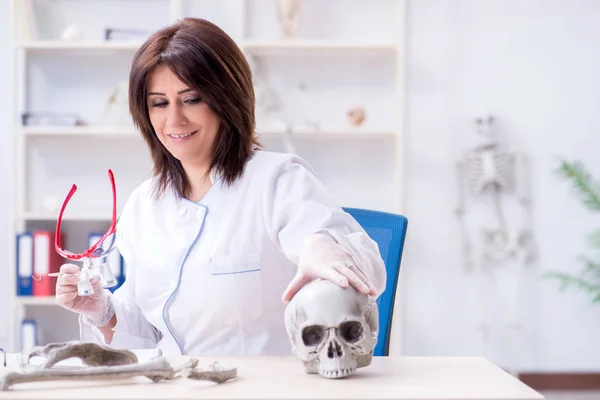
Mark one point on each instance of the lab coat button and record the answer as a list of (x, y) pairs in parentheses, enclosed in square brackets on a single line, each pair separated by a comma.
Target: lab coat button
[(200, 214), (182, 211)]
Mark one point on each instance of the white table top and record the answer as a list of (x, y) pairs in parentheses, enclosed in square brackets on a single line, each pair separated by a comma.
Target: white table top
[(284, 378)]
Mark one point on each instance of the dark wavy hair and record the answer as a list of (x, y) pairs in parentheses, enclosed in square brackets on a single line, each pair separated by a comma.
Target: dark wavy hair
[(206, 59)]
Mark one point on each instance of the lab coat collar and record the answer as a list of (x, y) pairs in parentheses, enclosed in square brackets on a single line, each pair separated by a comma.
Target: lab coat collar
[(214, 176)]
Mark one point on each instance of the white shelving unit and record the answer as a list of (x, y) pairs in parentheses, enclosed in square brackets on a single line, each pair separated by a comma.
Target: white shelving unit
[(49, 159), (84, 45), (315, 45)]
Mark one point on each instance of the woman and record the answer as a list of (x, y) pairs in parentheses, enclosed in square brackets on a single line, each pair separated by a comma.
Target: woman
[(224, 233)]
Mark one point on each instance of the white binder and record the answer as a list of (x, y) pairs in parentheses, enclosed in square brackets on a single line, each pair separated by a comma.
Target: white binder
[(29, 334)]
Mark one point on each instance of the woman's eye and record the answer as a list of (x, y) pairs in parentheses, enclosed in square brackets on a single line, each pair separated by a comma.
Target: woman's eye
[(194, 100), (159, 104)]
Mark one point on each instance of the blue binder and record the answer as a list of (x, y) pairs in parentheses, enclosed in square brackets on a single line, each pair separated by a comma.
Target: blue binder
[(24, 264)]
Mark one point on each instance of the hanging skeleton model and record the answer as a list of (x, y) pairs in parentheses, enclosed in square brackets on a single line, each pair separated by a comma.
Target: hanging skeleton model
[(491, 175)]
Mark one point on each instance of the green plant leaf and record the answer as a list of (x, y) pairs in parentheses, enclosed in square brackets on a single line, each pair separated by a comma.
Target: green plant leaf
[(576, 282), (593, 239), (582, 182), (588, 190), (591, 268)]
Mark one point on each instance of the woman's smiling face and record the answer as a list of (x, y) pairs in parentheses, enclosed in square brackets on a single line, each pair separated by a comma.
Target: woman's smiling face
[(182, 120)]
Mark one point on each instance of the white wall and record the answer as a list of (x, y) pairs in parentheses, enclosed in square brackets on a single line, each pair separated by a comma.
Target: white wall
[(534, 64), (5, 167)]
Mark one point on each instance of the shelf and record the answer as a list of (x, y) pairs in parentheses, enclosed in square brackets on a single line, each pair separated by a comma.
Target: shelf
[(82, 45), (35, 301), (250, 45), (112, 132), (326, 132), (107, 131), (314, 45), (40, 216)]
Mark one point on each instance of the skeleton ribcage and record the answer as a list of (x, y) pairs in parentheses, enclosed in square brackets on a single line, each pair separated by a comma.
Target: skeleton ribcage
[(490, 171)]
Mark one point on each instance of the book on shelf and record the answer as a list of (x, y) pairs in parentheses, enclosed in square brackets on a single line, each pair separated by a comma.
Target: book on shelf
[(28, 335), (50, 119), (36, 257), (24, 253), (116, 34)]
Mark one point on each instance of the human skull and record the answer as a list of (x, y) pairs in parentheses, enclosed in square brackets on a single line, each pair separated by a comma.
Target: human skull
[(333, 330), (486, 138)]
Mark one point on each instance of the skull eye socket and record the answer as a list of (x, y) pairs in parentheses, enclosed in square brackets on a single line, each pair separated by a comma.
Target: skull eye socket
[(313, 335), (351, 331)]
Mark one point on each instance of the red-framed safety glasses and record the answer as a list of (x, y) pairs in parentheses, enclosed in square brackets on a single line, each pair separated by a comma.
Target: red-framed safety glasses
[(105, 244)]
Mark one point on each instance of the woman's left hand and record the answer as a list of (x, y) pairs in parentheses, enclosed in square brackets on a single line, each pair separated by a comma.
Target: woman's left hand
[(324, 258)]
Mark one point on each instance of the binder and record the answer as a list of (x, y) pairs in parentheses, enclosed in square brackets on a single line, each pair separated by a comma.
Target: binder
[(45, 261), (113, 259), (28, 334), (24, 264)]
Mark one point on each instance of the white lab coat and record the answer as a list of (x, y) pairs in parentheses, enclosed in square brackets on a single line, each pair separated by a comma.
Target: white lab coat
[(206, 278)]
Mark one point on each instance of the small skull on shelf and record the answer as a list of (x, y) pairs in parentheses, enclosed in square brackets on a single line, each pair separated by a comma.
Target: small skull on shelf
[(356, 116), (333, 330)]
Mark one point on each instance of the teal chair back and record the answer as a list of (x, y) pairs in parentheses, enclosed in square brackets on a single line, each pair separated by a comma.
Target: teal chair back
[(388, 231)]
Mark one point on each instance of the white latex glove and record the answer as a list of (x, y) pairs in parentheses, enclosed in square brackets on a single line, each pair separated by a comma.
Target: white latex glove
[(97, 309), (322, 257)]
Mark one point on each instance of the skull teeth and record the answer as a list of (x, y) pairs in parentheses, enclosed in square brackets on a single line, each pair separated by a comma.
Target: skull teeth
[(340, 373)]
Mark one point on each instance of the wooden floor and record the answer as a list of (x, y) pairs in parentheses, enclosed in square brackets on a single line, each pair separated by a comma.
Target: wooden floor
[(571, 395)]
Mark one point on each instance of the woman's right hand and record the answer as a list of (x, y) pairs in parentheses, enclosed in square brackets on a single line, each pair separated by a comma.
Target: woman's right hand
[(95, 307)]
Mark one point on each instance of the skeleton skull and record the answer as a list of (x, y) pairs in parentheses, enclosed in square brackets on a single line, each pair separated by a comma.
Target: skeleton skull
[(333, 330)]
